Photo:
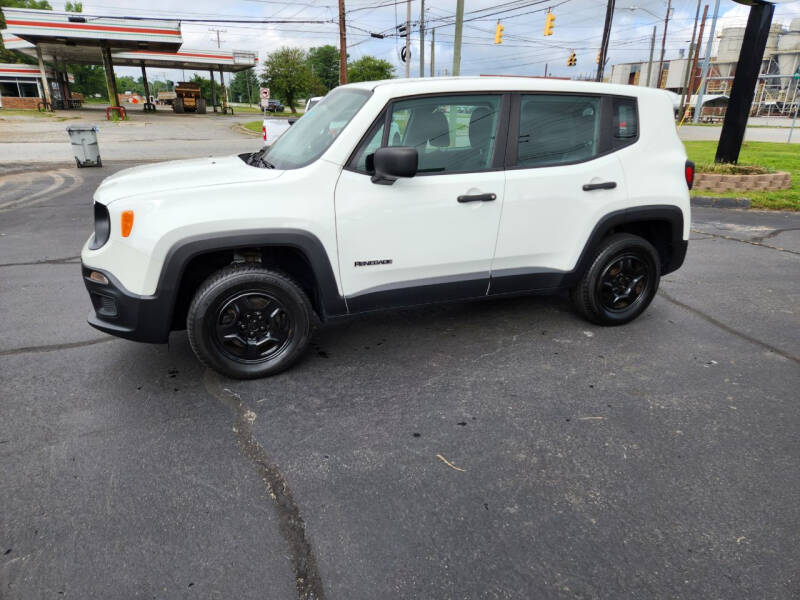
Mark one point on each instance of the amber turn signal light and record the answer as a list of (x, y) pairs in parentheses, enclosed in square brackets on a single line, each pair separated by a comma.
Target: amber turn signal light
[(127, 222)]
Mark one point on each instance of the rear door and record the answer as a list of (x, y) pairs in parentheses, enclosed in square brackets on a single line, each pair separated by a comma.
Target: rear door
[(430, 237), (562, 176)]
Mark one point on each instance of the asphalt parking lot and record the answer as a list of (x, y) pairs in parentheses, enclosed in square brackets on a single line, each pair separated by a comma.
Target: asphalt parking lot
[(499, 449)]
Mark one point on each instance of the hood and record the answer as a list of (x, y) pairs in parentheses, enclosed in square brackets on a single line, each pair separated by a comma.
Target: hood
[(147, 180)]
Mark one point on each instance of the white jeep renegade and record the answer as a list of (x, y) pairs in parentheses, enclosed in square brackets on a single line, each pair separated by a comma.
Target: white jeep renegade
[(390, 194)]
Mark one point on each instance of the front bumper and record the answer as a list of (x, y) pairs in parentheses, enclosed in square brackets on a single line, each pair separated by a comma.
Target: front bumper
[(119, 312)]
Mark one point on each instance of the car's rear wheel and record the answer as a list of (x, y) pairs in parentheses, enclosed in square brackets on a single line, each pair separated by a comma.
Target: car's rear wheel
[(621, 281), (246, 321)]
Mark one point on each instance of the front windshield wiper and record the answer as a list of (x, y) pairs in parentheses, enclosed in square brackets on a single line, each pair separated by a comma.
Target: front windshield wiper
[(257, 159)]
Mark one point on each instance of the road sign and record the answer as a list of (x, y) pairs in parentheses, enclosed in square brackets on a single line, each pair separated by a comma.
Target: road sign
[(264, 97)]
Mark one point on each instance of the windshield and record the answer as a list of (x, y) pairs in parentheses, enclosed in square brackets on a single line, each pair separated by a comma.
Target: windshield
[(306, 140)]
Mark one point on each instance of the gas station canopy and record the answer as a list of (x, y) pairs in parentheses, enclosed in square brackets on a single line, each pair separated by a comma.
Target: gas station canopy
[(77, 38)]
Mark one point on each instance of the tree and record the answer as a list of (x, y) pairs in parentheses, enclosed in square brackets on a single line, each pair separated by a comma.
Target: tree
[(323, 62), (244, 83), (205, 88), (287, 75), (369, 68), (12, 56)]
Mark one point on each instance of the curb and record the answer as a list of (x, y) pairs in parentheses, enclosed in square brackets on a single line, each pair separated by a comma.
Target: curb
[(241, 129), (713, 202)]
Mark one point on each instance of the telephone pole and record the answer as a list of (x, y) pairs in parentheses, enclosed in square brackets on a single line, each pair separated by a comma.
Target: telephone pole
[(604, 44), (433, 49), (217, 31), (650, 63), (408, 39), (706, 60), (422, 38), (684, 92), (663, 44), (342, 46), (457, 44)]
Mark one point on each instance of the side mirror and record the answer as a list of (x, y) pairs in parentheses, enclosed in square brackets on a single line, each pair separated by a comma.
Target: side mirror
[(391, 162), (291, 121)]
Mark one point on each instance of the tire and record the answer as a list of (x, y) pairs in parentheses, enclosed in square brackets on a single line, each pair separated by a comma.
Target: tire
[(201, 106), (177, 105), (246, 321), (620, 283)]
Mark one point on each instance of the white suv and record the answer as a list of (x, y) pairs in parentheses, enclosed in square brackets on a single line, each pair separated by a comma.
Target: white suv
[(390, 194)]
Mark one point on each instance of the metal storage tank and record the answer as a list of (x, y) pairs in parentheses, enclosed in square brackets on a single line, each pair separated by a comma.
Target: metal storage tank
[(789, 53), (730, 42)]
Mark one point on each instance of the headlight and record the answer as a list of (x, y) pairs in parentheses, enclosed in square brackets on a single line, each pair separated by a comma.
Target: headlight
[(102, 226)]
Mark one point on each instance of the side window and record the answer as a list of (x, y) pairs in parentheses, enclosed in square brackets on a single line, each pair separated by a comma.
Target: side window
[(557, 129), (625, 127), (451, 133)]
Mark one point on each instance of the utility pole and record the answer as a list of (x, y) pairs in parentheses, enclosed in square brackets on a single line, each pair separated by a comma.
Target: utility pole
[(663, 44), (606, 34), (706, 61), (650, 63), (408, 39), (217, 31), (545, 70), (422, 38), (433, 48), (693, 64), (684, 91), (457, 44), (342, 46)]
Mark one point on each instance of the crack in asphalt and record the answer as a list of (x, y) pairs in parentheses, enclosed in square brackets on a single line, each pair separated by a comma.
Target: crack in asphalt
[(49, 261), (774, 233), (729, 329), (53, 347), (306, 574), (753, 242)]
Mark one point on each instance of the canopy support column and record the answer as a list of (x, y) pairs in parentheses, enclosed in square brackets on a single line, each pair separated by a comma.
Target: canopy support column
[(68, 101), (45, 85), (213, 90), (147, 103), (222, 91), (111, 81)]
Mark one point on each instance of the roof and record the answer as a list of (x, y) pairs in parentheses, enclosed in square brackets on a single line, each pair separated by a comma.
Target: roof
[(427, 85)]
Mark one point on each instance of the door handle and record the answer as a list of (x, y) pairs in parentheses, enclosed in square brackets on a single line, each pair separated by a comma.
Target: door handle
[(606, 185), (478, 198)]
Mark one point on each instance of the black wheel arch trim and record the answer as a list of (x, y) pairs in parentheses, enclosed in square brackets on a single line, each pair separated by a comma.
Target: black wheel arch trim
[(668, 213), (178, 257)]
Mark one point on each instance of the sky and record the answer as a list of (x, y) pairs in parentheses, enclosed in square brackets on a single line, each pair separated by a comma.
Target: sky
[(524, 51)]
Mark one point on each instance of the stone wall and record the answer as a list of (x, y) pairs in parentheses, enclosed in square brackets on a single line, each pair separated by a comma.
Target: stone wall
[(715, 182)]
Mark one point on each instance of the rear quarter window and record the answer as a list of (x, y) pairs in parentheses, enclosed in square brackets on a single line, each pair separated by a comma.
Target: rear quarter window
[(625, 122)]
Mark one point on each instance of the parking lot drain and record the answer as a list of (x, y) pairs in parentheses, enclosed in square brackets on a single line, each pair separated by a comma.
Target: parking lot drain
[(307, 578)]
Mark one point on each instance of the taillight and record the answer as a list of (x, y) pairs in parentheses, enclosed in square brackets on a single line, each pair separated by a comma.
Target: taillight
[(688, 172), (264, 132)]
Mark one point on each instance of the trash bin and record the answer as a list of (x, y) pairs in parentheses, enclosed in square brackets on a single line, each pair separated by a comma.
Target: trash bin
[(84, 145)]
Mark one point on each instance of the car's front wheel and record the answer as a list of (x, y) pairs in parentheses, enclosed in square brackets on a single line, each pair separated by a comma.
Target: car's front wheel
[(247, 321), (621, 281)]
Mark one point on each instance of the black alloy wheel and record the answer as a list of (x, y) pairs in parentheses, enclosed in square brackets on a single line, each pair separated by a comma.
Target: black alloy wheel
[(247, 321), (252, 326), (621, 281)]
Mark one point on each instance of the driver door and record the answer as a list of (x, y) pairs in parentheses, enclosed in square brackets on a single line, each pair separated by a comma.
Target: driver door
[(430, 237)]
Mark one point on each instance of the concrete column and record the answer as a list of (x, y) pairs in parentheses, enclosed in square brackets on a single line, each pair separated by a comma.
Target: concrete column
[(66, 83), (222, 91), (213, 90), (146, 86), (45, 85), (111, 81)]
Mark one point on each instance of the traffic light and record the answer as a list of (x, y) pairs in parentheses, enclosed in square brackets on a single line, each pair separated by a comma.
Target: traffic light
[(599, 57), (498, 33), (549, 22), (572, 60)]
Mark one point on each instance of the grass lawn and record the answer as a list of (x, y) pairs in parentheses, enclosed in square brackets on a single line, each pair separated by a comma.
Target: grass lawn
[(253, 126), (776, 156)]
